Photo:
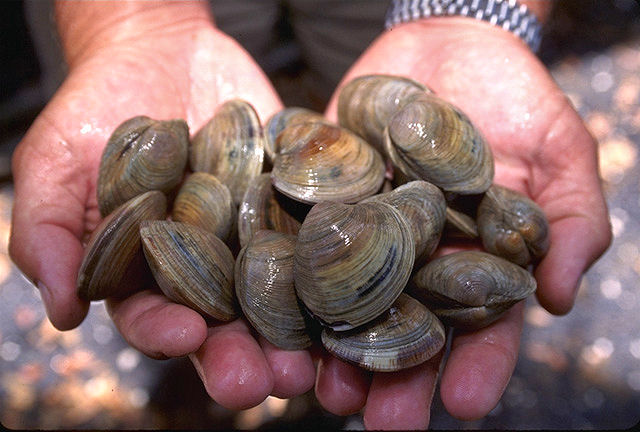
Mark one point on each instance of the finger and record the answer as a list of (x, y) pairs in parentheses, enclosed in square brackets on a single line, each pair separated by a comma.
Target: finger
[(48, 223), (156, 326), (402, 400), (232, 367), (293, 371), (575, 245), (341, 388), (480, 365)]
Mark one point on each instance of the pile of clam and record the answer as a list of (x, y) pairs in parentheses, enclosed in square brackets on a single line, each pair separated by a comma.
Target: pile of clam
[(301, 227)]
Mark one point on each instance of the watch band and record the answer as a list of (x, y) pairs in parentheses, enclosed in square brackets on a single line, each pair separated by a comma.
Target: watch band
[(507, 14)]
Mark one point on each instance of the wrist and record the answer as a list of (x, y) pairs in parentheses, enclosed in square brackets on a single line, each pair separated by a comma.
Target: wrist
[(86, 28)]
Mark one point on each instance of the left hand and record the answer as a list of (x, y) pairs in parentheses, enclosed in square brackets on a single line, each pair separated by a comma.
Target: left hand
[(542, 149)]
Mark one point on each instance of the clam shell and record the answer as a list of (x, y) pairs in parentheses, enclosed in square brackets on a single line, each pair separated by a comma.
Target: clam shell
[(404, 336), (461, 224), (279, 121), (432, 140), (366, 104), (230, 146), (205, 202), (142, 154), (192, 267), (262, 208), (352, 261), (423, 205), (114, 244), (512, 226), (265, 290), (471, 289), (320, 161)]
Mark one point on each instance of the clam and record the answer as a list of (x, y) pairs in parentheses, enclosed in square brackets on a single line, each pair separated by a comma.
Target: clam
[(423, 206), (192, 267), (264, 208), (280, 120), (366, 104), (460, 224), (471, 289), (230, 146), (142, 154), (430, 139), (265, 291), (512, 226), (406, 335), (319, 161), (205, 202), (352, 261), (114, 244)]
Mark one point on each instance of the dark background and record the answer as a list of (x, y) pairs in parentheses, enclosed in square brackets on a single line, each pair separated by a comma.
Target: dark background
[(580, 371)]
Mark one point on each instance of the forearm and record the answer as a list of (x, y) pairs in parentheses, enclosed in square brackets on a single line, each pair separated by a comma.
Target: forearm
[(540, 8), (88, 26)]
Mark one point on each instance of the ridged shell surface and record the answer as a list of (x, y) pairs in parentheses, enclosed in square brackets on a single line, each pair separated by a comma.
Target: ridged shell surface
[(261, 209), (142, 154), (205, 202), (320, 161), (192, 267), (280, 120), (114, 244), (512, 226), (366, 104), (265, 290), (352, 261), (432, 140), (471, 289), (230, 146), (423, 205), (404, 336)]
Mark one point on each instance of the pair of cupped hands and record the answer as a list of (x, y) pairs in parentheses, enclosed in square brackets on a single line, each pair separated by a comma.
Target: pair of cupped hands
[(540, 145)]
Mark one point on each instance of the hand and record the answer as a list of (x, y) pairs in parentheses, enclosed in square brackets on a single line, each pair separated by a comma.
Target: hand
[(132, 62), (541, 148)]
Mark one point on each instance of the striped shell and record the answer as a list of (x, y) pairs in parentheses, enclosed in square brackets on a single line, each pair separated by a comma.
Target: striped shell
[(264, 208), (142, 154), (512, 226), (265, 291), (114, 244), (279, 121), (404, 336), (319, 161), (423, 205), (352, 261), (366, 104), (432, 140), (206, 203), (230, 146), (471, 289), (192, 267)]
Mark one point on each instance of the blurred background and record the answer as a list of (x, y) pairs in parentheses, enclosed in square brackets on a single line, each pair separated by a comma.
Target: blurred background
[(580, 371)]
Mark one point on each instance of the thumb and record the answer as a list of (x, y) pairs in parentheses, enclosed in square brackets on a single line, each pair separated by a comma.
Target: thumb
[(48, 221)]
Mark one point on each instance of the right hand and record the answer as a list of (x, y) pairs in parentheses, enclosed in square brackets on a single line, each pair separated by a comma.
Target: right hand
[(138, 64)]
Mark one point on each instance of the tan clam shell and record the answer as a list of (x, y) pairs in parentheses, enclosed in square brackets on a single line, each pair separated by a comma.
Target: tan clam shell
[(142, 154), (471, 289), (279, 121), (265, 290), (192, 267), (366, 104), (406, 335), (261, 209), (205, 202), (423, 205), (352, 261), (319, 161), (512, 226), (461, 224), (230, 146), (432, 140), (114, 244)]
